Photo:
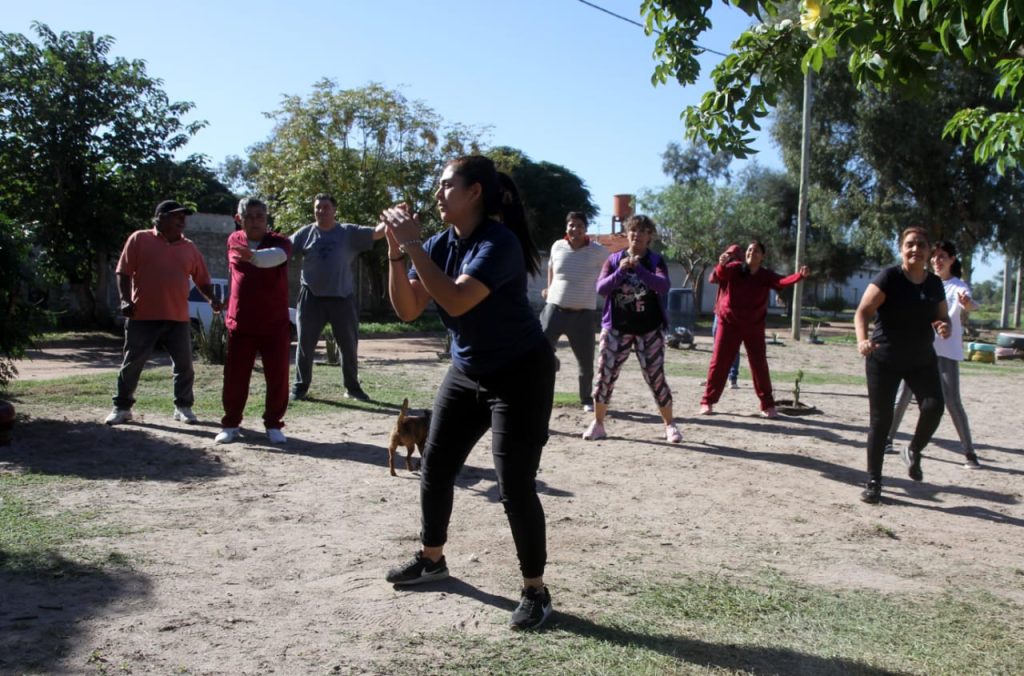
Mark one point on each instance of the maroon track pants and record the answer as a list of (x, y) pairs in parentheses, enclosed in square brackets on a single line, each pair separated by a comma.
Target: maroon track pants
[(727, 345), (275, 350)]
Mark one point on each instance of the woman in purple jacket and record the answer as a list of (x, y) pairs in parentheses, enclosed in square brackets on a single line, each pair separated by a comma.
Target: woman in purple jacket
[(635, 284)]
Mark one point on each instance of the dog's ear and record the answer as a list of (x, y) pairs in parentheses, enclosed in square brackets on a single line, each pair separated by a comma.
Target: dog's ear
[(405, 406)]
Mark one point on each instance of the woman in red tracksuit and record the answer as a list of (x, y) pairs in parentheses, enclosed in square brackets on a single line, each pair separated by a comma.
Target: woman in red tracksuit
[(742, 309)]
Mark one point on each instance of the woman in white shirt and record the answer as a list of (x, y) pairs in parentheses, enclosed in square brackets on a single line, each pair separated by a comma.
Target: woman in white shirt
[(950, 351)]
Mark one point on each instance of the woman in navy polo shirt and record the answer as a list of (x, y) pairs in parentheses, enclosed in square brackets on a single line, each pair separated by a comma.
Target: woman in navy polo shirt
[(503, 368)]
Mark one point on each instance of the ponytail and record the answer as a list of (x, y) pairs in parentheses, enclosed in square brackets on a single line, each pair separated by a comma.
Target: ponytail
[(513, 215), (500, 198)]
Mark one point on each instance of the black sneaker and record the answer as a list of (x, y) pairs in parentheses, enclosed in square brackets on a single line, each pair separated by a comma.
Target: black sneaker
[(890, 449), (296, 396), (912, 459), (417, 571), (357, 394), (534, 608), (872, 492), (971, 462)]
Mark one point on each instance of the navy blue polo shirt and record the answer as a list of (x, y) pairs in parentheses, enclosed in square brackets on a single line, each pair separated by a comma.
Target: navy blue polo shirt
[(502, 326)]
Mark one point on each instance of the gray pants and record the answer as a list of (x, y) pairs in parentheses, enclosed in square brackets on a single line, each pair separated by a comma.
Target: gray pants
[(578, 327), (141, 336), (312, 313), (949, 378)]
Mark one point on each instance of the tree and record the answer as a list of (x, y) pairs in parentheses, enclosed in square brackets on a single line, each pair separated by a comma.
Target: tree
[(892, 45), (20, 317), (79, 135), (695, 164), (369, 147), (549, 191), (885, 159), (697, 221)]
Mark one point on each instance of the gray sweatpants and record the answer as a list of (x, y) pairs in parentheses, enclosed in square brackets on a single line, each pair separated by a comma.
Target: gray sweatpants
[(949, 377), (579, 327), (312, 313)]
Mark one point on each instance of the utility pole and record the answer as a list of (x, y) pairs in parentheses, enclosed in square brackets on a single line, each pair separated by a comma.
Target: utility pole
[(801, 221)]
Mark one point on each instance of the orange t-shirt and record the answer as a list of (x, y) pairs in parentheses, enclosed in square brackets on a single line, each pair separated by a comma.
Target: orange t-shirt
[(160, 271)]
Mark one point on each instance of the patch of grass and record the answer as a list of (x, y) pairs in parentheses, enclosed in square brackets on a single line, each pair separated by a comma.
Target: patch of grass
[(426, 323), (567, 400), (154, 395), (711, 623), (35, 541)]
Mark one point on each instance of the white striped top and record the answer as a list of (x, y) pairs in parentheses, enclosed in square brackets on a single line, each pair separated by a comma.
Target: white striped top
[(574, 275)]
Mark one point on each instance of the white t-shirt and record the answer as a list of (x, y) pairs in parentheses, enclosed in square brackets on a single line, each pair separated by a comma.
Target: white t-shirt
[(953, 347), (574, 274)]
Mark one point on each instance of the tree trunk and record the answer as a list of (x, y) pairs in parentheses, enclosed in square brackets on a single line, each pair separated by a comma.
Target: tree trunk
[(1004, 311)]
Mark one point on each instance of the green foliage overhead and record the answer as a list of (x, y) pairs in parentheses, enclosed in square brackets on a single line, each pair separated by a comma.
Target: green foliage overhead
[(891, 45), (80, 137)]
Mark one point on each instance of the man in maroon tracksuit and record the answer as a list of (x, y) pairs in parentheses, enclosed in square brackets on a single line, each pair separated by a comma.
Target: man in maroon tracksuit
[(257, 320), (742, 309)]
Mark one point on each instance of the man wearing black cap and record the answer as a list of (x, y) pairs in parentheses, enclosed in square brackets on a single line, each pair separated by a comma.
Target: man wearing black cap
[(152, 279)]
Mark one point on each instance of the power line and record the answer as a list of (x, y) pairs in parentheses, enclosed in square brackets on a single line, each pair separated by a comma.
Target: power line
[(640, 25)]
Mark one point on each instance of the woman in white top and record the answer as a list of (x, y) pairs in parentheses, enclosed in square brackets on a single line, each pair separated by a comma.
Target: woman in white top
[(950, 351)]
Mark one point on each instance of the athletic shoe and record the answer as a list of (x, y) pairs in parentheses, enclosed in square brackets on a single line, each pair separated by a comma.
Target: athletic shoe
[(705, 409), (184, 414), (226, 435), (672, 434), (890, 449), (534, 608), (595, 432), (912, 459), (417, 571), (588, 408), (276, 436), (770, 412), (971, 462), (296, 396), (733, 385), (357, 394), (118, 416), (872, 492)]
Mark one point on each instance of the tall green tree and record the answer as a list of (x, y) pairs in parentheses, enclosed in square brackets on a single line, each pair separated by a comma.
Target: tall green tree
[(549, 192), (891, 45), (695, 163), (369, 147), (79, 135), (885, 158), (697, 221)]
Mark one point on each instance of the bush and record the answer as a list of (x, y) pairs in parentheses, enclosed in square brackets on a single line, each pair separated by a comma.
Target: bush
[(211, 344), (20, 319), (833, 305)]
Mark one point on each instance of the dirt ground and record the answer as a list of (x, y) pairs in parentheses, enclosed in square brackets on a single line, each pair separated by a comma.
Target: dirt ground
[(250, 558)]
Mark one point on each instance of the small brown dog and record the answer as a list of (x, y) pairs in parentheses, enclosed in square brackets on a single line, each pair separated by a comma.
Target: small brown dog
[(410, 431)]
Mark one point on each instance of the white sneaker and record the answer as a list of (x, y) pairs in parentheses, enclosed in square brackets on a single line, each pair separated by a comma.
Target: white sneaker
[(733, 385), (226, 435), (118, 416), (588, 408), (595, 432), (276, 436), (185, 415), (672, 434)]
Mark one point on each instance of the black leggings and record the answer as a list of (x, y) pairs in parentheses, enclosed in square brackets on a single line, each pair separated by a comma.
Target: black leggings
[(515, 404), (883, 382)]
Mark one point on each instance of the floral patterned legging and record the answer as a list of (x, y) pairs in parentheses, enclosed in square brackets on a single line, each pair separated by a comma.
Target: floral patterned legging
[(650, 352)]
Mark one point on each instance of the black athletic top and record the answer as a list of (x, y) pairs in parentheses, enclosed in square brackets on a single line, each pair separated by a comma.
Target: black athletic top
[(903, 326)]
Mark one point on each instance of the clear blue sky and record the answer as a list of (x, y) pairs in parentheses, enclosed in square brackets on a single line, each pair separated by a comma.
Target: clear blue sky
[(557, 79)]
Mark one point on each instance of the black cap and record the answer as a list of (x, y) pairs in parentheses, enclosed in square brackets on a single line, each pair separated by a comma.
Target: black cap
[(170, 207)]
